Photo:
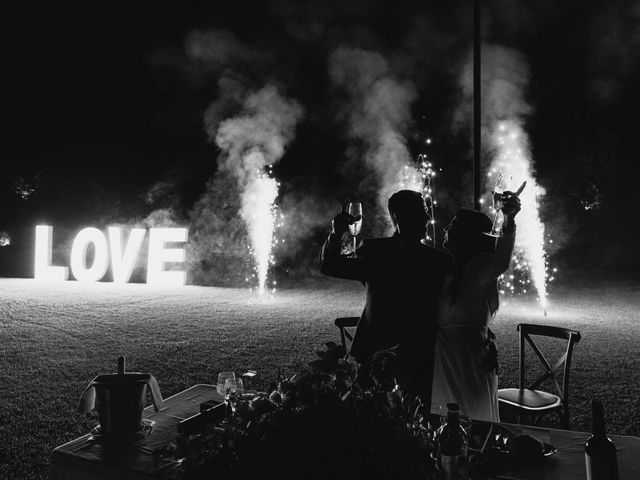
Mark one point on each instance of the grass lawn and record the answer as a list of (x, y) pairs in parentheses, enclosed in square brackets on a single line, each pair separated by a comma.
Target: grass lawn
[(55, 338)]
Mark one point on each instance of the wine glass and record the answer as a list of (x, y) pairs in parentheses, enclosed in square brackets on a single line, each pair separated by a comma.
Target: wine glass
[(497, 206), (222, 379), (498, 196), (355, 209), (233, 385)]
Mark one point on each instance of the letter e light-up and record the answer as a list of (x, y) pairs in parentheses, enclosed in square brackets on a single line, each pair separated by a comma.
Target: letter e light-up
[(79, 267), (122, 263), (159, 255), (43, 269)]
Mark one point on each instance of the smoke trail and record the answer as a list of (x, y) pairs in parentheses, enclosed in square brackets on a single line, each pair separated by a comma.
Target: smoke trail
[(251, 142), (252, 127), (378, 115), (504, 113), (614, 41)]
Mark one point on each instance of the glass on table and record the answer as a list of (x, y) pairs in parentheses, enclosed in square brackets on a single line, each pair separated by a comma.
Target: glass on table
[(222, 379), (233, 388), (234, 385)]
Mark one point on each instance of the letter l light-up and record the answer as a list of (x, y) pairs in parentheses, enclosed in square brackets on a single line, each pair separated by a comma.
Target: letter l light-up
[(43, 270)]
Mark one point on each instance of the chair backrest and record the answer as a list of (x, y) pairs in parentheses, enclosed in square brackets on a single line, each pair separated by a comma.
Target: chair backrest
[(572, 336)]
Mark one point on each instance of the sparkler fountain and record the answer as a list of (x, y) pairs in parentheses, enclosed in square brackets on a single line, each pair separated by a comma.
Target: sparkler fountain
[(501, 92), (512, 162), (251, 143), (420, 178), (260, 214), (428, 191)]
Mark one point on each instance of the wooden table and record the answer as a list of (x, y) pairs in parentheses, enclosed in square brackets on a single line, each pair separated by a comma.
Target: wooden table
[(569, 463), (86, 459)]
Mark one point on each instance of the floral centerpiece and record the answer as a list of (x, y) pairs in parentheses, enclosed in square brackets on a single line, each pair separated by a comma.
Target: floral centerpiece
[(331, 421)]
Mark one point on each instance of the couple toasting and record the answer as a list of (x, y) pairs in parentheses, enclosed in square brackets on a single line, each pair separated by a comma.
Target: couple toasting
[(435, 307)]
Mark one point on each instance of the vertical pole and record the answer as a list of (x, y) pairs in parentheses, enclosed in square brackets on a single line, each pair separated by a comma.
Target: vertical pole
[(477, 102)]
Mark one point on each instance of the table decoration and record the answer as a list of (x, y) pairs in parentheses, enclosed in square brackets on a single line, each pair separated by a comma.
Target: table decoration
[(332, 420)]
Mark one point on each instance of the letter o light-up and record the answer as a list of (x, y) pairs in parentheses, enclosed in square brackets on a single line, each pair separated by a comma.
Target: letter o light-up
[(79, 267)]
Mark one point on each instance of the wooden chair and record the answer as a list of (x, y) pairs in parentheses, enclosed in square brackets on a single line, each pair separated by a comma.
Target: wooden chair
[(347, 326), (532, 402)]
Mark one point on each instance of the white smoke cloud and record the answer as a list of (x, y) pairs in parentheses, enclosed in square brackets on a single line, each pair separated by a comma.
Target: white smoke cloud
[(504, 87), (378, 114), (220, 49), (505, 79), (160, 218), (613, 46), (251, 142), (257, 137)]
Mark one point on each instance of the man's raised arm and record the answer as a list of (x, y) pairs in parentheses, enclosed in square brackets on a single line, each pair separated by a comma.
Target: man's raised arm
[(331, 261)]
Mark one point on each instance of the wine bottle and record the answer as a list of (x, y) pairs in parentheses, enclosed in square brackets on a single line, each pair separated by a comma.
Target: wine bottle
[(600, 451), (453, 446)]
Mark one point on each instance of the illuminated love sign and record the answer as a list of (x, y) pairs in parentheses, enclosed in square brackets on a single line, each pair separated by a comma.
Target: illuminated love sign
[(123, 255)]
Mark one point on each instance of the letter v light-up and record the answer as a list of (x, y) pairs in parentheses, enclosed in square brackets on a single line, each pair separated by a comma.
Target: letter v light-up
[(123, 261)]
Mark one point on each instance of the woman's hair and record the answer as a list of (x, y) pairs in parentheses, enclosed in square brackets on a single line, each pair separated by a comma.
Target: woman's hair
[(471, 227)]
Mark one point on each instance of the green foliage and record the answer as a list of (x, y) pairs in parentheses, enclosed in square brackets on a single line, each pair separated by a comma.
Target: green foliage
[(321, 423)]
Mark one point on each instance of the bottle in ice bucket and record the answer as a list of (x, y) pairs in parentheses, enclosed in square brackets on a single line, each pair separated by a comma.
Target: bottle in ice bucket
[(453, 447), (600, 451)]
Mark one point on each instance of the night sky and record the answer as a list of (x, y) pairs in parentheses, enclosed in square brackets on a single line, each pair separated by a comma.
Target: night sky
[(111, 112)]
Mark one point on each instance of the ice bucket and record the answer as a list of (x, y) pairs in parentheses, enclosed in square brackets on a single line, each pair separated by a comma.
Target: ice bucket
[(119, 400)]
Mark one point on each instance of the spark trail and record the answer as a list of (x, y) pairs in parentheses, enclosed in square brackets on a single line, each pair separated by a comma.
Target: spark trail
[(259, 212), (513, 161)]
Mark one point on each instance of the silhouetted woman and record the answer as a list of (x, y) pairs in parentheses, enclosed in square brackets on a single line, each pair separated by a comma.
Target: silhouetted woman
[(465, 355)]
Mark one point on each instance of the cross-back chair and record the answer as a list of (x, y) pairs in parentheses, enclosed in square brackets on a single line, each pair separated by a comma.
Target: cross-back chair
[(347, 326), (527, 400)]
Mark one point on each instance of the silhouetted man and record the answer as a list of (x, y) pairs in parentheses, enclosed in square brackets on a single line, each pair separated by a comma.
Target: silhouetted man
[(403, 279)]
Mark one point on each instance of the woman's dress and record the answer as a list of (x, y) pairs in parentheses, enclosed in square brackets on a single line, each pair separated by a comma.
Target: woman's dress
[(465, 360)]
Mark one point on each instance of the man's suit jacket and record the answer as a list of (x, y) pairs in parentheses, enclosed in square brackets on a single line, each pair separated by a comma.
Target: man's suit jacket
[(403, 287)]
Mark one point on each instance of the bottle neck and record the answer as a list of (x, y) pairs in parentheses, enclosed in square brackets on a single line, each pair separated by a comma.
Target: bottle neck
[(598, 418), (453, 418)]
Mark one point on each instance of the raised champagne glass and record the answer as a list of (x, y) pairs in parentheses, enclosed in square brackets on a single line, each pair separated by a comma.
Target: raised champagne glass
[(497, 197), (355, 209)]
